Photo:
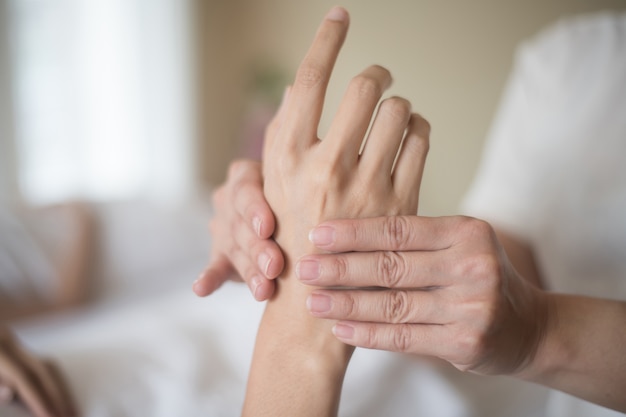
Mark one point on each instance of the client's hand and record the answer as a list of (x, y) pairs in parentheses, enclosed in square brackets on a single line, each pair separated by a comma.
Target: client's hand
[(308, 179), (35, 383), (297, 362)]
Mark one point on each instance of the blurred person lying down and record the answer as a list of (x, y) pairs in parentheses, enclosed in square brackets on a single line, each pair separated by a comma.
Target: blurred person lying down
[(44, 257)]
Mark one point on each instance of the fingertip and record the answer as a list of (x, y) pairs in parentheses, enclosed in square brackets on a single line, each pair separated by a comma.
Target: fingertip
[(199, 289), (343, 331), (338, 14), (203, 286), (322, 236), (263, 224), (256, 225), (275, 268), (261, 288)]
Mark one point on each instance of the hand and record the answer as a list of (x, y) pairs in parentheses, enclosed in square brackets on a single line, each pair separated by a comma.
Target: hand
[(444, 287), (308, 179), (298, 365), (241, 231), (36, 383)]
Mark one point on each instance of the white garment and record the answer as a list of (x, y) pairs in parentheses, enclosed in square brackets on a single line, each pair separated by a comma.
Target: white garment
[(554, 169)]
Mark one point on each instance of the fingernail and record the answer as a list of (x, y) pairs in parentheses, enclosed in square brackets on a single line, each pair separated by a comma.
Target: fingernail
[(322, 236), (319, 303), (256, 224), (256, 285), (337, 13), (343, 331), (264, 262), (201, 275), (196, 286), (308, 270)]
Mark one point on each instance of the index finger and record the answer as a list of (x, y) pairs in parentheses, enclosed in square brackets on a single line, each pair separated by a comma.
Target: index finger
[(392, 233), (306, 97)]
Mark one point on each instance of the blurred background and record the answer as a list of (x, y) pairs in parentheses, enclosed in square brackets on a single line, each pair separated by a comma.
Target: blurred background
[(108, 99), (122, 115), (117, 118)]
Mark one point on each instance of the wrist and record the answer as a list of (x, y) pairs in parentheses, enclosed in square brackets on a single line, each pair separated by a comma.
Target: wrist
[(552, 352)]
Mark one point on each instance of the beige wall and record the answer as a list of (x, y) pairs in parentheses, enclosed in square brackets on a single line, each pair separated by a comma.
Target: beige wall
[(450, 58)]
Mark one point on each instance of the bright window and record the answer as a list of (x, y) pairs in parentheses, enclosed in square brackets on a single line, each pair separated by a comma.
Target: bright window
[(103, 98)]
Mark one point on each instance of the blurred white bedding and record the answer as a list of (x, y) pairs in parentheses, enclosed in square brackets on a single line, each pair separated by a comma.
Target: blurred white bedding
[(150, 347)]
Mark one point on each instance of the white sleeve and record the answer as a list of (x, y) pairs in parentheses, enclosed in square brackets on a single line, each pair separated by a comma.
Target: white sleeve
[(508, 182)]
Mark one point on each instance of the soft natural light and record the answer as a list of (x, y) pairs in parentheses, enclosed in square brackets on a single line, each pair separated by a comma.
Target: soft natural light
[(103, 98)]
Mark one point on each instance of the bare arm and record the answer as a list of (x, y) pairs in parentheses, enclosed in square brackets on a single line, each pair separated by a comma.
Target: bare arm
[(583, 351), (298, 365)]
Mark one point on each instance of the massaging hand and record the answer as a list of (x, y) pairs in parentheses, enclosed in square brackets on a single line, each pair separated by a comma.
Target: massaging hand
[(35, 383), (442, 287), (486, 317), (241, 228)]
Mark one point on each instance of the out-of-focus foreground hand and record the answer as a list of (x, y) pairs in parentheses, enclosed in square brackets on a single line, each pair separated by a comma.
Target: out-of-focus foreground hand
[(35, 383), (440, 287), (241, 231)]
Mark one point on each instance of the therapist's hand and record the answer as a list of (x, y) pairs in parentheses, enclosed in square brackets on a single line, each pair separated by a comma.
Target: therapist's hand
[(241, 230), (35, 383), (439, 287)]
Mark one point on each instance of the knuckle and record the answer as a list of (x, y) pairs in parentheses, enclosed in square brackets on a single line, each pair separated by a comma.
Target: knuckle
[(349, 306), (340, 265), (247, 189), (219, 195), (397, 307), (474, 345), (472, 228), (390, 267), (482, 267), (309, 76), (237, 167), (370, 338), (396, 231), (397, 107), (286, 165), (402, 340), (366, 87), (423, 126)]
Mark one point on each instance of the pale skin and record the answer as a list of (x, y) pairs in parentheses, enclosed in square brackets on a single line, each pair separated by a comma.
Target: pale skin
[(298, 365), (452, 287)]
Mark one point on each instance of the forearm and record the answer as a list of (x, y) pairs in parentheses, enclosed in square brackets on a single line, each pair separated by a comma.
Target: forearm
[(298, 365), (583, 351)]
